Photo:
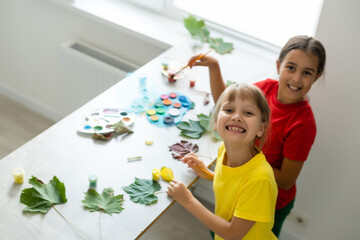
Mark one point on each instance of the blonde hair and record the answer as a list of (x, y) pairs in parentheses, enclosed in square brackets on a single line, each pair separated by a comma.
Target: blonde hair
[(245, 92)]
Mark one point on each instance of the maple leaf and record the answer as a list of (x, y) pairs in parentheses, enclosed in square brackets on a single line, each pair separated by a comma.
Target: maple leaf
[(182, 148), (197, 28), (41, 197), (106, 201), (142, 191), (220, 46), (204, 120), (191, 129)]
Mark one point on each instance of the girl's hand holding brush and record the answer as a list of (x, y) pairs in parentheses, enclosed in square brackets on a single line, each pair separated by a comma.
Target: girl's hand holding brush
[(194, 162)]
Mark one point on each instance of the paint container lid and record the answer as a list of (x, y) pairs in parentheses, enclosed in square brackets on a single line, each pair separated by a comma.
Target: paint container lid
[(174, 112), (164, 96), (185, 104), (151, 112), (154, 118), (158, 104), (167, 102), (177, 105), (160, 111), (168, 120), (182, 98), (173, 95)]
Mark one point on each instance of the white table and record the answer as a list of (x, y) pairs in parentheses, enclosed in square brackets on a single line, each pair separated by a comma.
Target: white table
[(61, 151)]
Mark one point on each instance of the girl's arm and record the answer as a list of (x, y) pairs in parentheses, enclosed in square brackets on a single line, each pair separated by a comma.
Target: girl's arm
[(237, 228), (216, 81), (286, 176)]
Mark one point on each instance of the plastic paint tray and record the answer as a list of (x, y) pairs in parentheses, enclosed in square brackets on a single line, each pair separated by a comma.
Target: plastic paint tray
[(180, 98), (101, 120)]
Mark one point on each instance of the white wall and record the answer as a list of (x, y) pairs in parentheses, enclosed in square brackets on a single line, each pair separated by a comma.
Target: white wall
[(30, 34), (328, 188)]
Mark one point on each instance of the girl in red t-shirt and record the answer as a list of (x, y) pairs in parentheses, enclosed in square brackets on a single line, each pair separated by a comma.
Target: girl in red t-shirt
[(293, 129)]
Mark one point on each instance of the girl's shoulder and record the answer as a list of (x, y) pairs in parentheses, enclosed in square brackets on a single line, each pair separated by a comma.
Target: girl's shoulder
[(267, 85)]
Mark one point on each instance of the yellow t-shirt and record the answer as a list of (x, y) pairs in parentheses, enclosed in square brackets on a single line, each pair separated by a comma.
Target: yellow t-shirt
[(248, 192)]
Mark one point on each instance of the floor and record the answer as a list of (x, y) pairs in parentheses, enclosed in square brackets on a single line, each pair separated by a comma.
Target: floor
[(19, 125)]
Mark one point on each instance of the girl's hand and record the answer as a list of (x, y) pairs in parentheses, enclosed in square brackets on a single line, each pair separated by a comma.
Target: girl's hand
[(178, 191), (204, 61), (194, 162)]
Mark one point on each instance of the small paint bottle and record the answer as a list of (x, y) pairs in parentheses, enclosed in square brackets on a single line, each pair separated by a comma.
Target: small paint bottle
[(92, 181), (18, 174), (165, 64), (192, 82)]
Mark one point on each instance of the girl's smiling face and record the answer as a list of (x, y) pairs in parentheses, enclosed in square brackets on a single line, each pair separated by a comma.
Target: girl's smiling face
[(297, 72), (239, 121)]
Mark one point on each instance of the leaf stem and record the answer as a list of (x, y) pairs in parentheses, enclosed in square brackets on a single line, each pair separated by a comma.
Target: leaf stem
[(71, 223), (100, 225)]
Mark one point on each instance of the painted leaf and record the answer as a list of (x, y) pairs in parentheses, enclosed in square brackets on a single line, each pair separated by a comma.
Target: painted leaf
[(142, 191), (120, 127), (197, 28), (167, 174), (182, 148), (106, 201), (220, 46), (191, 129), (99, 136), (41, 197)]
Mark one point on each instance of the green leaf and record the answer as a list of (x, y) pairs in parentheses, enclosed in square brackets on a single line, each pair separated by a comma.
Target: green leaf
[(220, 46), (106, 201), (142, 191), (204, 120), (41, 197), (191, 129), (228, 83), (197, 28)]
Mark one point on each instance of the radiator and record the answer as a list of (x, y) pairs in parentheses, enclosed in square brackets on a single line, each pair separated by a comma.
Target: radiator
[(86, 72)]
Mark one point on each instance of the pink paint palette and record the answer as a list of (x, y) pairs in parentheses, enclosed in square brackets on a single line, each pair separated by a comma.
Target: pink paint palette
[(101, 120)]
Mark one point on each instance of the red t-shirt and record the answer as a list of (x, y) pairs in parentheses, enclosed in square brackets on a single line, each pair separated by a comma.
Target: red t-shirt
[(292, 133)]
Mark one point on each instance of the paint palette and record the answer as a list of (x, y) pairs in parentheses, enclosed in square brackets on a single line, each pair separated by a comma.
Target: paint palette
[(170, 66), (101, 120), (168, 109)]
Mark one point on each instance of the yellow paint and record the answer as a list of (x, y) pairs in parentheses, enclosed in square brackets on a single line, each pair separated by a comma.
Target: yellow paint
[(167, 174), (155, 174), (18, 174)]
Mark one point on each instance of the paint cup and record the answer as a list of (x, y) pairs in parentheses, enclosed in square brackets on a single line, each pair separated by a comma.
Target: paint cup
[(18, 174), (192, 82), (92, 181)]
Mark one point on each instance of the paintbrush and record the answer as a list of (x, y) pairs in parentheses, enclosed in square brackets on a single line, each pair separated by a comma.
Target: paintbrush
[(202, 169), (198, 58)]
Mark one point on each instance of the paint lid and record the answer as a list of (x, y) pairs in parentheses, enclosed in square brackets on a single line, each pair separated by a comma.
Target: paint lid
[(177, 105), (164, 96), (154, 118), (174, 112), (168, 120), (173, 95), (151, 112), (167, 102), (158, 104), (182, 98), (160, 111), (185, 104)]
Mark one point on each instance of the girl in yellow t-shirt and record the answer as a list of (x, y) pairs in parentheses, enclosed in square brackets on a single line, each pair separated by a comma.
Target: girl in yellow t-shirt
[(243, 182)]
